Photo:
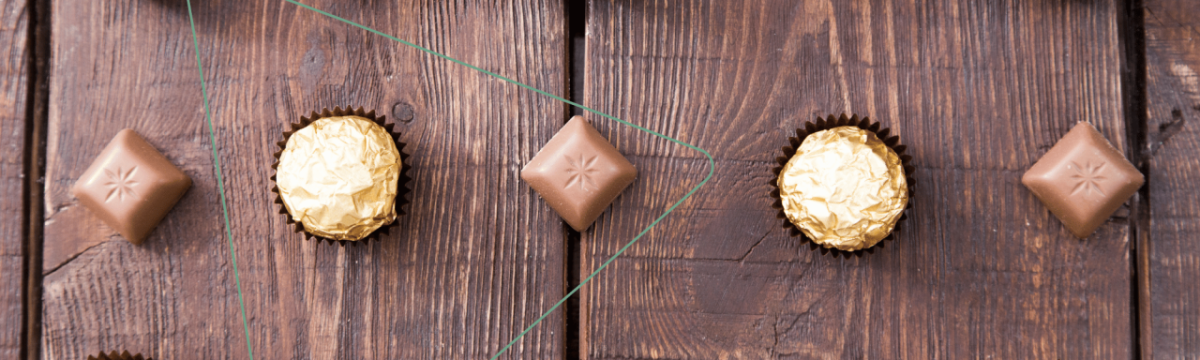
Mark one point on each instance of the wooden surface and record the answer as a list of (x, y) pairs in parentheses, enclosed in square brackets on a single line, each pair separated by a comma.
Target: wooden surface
[(478, 258), (14, 63), (977, 90), (1173, 111)]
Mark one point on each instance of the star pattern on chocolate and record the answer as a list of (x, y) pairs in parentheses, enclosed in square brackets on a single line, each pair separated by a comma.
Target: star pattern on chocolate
[(120, 183), (1088, 177), (580, 171)]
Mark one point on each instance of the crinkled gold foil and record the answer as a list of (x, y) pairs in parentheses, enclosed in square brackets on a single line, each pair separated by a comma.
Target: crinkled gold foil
[(844, 188), (338, 177)]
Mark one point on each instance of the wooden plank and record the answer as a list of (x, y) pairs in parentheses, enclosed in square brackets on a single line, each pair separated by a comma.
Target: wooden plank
[(478, 258), (978, 91), (14, 94), (1173, 108)]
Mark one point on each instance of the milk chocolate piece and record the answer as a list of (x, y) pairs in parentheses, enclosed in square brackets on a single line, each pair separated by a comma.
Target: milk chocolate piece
[(131, 186), (579, 173), (1083, 179)]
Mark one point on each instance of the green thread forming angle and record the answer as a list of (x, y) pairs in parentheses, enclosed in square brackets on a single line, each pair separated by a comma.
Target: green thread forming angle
[(225, 210)]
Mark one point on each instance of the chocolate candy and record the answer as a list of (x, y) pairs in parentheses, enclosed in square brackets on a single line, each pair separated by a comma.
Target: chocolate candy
[(844, 188), (1083, 179), (131, 186), (579, 173), (338, 177)]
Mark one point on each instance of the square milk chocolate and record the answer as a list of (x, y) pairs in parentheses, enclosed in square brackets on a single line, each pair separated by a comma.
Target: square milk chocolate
[(131, 186)]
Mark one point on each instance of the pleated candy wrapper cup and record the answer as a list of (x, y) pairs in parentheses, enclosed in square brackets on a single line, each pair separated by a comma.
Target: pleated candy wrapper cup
[(403, 183), (124, 355), (830, 122)]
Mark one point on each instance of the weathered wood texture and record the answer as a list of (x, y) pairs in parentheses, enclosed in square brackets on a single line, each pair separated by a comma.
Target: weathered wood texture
[(14, 70), (1173, 109), (477, 259), (977, 90)]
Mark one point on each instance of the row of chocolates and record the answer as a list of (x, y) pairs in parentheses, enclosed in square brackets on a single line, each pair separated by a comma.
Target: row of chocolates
[(843, 183)]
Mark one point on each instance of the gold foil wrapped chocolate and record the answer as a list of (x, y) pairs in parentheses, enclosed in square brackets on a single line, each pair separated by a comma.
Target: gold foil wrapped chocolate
[(338, 177), (844, 188)]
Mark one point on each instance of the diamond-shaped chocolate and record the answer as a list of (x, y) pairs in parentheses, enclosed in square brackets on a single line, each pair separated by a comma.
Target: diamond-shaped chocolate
[(579, 173), (1083, 179), (131, 186)]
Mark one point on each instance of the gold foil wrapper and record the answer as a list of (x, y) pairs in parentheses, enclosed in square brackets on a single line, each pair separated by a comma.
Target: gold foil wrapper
[(844, 188), (338, 177)]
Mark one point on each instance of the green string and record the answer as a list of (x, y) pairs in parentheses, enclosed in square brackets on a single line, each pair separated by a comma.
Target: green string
[(711, 164), (220, 182)]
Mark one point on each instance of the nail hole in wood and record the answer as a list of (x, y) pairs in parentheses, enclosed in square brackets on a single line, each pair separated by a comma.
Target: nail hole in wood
[(403, 112)]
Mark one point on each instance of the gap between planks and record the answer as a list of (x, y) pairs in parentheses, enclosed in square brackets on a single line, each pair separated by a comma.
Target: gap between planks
[(34, 170), (576, 23), (1133, 92)]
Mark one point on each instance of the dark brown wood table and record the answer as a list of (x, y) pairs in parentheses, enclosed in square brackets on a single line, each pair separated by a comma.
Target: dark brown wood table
[(977, 90)]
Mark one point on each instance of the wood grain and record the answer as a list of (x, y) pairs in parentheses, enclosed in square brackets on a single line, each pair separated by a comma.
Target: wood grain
[(1173, 109), (478, 258), (977, 90), (14, 70)]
